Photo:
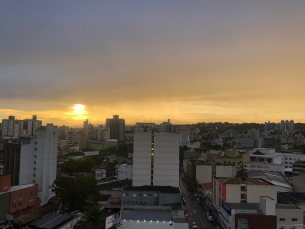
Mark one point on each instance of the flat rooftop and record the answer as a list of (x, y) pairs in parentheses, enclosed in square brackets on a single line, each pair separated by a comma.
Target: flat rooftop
[(146, 214), (18, 187), (52, 221), (286, 206), (161, 189), (238, 180)]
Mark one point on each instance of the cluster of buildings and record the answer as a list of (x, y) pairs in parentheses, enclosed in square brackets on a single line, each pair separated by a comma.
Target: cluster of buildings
[(252, 184)]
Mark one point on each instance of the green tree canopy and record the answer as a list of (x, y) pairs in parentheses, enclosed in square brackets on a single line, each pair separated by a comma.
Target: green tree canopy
[(75, 194)]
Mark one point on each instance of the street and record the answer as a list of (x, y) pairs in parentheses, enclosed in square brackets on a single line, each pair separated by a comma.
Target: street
[(196, 212)]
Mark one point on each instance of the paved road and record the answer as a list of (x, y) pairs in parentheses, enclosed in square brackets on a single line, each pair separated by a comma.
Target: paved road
[(197, 212)]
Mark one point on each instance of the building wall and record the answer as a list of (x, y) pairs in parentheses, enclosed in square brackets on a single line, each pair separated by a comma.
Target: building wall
[(151, 225), (124, 172), (24, 198), (5, 205), (225, 171), (204, 173), (5, 183), (46, 161), (26, 171), (263, 166), (233, 193), (254, 192), (256, 221), (288, 215), (165, 159), (142, 159)]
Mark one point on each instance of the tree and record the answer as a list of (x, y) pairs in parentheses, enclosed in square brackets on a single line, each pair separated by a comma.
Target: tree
[(75, 194), (94, 215)]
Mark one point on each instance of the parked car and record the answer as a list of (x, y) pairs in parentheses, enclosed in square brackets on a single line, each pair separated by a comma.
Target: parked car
[(195, 195), (200, 202), (210, 218), (184, 201)]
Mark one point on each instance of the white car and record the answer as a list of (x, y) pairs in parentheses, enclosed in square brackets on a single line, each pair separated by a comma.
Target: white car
[(210, 218), (194, 225)]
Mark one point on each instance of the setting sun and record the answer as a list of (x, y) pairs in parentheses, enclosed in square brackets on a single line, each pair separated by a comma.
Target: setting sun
[(79, 107)]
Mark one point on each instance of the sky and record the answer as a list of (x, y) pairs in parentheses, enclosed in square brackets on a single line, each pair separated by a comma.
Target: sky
[(149, 61)]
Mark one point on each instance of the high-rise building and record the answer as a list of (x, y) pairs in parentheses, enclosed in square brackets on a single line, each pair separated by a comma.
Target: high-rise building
[(13, 128), (33, 160), (117, 127), (274, 143), (76, 138), (155, 158)]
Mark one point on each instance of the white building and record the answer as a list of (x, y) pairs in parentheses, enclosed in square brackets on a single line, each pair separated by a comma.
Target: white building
[(45, 160), (238, 190), (264, 166), (13, 128), (266, 155), (184, 139), (124, 172), (290, 158), (156, 158), (34, 161)]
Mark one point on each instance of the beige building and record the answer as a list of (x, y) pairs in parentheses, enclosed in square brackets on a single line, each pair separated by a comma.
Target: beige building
[(103, 134), (241, 190), (204, 172), (234, 157)]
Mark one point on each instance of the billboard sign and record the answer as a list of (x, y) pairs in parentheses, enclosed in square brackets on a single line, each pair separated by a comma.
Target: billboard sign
[(226, 207), (113, 220)]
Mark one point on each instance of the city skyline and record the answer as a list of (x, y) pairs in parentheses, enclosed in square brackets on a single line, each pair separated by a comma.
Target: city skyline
[(150, 61)]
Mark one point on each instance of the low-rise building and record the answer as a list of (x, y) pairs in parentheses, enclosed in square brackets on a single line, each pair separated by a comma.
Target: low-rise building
[(150, 217), (298, 168), (241, 190), (203, 172), (264, 166), (17, 200), (124, 172), (289, 216), (150, 195), (290, 158), (234, 157)]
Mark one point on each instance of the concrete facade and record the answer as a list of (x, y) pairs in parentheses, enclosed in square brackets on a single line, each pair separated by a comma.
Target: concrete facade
[(125, 172), (150, 196), (264, 166), (289, 216), (156, 159)]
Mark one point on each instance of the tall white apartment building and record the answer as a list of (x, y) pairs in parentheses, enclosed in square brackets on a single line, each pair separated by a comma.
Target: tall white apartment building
[(33, 160), (13, 128), (156, 158)]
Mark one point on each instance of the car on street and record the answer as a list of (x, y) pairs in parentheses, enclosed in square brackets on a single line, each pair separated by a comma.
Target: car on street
[(194, 225), (199, 202)]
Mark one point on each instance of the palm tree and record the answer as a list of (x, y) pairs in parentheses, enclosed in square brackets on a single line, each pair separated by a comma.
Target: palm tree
[(94, 216)]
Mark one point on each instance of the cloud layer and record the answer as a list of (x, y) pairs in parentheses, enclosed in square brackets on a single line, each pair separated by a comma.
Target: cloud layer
[(153, 60)]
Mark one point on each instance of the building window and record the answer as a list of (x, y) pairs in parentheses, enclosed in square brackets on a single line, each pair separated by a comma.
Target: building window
[(20, 204), (243, 188), (243, 196), (294, 219), (13, 206), (140, 194), (31, 200), (282, 219), (134, 195)]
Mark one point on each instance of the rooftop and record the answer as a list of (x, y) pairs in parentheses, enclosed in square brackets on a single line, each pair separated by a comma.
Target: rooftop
[(238, 180), (115, 185), (146, 213), (286, 206), (290, 197), (208, 185), (104, 197), (52, 221), (18, 187), (276, 178), (161, 189), (299, 162), (244, 206)]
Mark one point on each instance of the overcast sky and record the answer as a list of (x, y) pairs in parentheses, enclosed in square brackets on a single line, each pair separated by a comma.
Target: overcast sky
[(190, 61)]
